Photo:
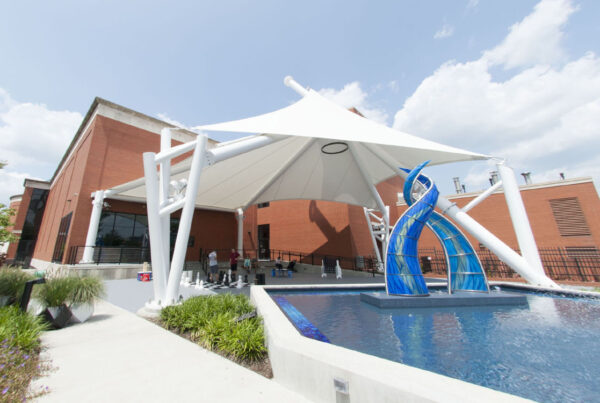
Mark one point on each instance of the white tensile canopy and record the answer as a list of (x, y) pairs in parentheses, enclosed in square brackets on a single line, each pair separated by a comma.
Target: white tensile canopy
[(323, 152), (311, 150)]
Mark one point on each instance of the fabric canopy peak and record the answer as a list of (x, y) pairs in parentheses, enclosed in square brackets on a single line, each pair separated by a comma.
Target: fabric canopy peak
[(320, 151)]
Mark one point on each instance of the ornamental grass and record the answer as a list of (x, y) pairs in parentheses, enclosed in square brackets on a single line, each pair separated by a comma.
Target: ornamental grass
[(19, 354), (12, 283), (211, 322)]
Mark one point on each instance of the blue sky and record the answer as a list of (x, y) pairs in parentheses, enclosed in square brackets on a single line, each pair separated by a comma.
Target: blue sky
[(451, 71)]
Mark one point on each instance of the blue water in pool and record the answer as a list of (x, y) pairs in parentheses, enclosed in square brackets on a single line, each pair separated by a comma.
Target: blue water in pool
[(548, 351)]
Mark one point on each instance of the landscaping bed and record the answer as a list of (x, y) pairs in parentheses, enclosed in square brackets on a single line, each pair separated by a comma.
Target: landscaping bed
[(220, 323), (20, 354)]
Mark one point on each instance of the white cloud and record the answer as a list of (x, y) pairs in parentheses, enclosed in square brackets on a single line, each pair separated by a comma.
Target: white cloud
[(543, 118), (353, 96), (444, 32), (34, 139), (536, 39)]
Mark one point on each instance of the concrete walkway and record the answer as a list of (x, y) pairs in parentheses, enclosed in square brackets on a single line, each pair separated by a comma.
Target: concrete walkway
[(117, 356)]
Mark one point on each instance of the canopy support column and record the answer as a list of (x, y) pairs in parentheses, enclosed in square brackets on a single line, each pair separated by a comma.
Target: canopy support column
[(165, 219), (155, 231), (90, 239), (377, 231), (519, 218), (481, 197), (240, 231), (185, 222)]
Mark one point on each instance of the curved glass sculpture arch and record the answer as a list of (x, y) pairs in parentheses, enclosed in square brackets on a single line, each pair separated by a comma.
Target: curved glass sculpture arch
[(403, 275)]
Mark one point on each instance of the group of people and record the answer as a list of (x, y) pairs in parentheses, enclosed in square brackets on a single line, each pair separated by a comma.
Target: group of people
[(233, 262)]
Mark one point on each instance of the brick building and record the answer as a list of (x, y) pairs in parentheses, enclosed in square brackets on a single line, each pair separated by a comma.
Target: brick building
[(53, 217), (106, 151)]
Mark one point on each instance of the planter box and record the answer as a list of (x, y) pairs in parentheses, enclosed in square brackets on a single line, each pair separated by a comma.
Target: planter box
[(57, 316), (81, 312)]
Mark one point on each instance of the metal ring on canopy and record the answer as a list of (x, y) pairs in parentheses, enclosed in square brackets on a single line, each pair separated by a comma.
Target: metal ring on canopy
[(336, 147)]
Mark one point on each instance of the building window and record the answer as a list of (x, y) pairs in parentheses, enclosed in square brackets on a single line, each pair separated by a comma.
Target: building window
[(129, 230), (122, 229), (31, 226), (61, 238), (263, 205), (569, 217)]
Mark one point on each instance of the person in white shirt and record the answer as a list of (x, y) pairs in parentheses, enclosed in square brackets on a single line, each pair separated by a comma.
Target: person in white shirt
[(213, 265)]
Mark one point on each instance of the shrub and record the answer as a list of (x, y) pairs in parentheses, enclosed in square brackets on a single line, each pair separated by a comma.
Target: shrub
[(12, 283), (210, 321)]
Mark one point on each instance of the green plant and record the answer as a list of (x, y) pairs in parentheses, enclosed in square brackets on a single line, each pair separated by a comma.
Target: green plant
[(244, 340), (6, 235), (85, 290), (210, 321), (12, 283), (20, 329), (19, 354), (56, 291)]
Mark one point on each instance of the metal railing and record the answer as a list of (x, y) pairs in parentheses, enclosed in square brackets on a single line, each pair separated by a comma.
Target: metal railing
[(560, 263), (110, 254), (356, 263)]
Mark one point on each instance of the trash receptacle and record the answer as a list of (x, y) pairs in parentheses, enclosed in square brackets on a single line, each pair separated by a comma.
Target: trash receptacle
[(259, 279)]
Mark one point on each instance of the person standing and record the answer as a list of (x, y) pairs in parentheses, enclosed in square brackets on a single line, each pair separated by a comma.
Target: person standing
[(247, 264), (233, 258), (213, 266)]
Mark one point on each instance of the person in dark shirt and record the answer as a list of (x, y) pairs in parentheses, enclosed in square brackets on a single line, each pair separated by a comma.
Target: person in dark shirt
[(233, 258)]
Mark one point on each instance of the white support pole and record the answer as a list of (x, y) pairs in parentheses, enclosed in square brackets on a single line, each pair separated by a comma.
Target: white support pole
[(185, 222), (90, 239), (375, 247), (224, 152), (240, 231), (489, 240), (519, 218), (155, 231), (499, 248), (290, 82), (481, 197), (165, 219)]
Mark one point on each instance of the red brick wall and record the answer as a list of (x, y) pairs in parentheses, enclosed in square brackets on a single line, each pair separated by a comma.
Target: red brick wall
[(109, 154), (320, 226), (493, 214), (339, 229)]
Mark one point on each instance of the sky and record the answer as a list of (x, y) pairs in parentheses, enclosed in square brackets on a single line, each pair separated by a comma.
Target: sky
[(516, 79)]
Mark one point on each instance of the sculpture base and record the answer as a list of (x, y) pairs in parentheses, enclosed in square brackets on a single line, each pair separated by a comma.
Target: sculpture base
[(443, 300)]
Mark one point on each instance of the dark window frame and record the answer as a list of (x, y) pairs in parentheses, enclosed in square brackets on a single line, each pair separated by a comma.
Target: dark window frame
[(61, 238)]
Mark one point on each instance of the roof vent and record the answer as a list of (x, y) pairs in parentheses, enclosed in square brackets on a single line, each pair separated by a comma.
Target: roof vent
[(457, 186)]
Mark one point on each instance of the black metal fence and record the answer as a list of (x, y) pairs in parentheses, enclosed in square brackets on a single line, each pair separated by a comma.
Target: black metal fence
[(123, 254), (110, 254), (560, 263), (356, 263)]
